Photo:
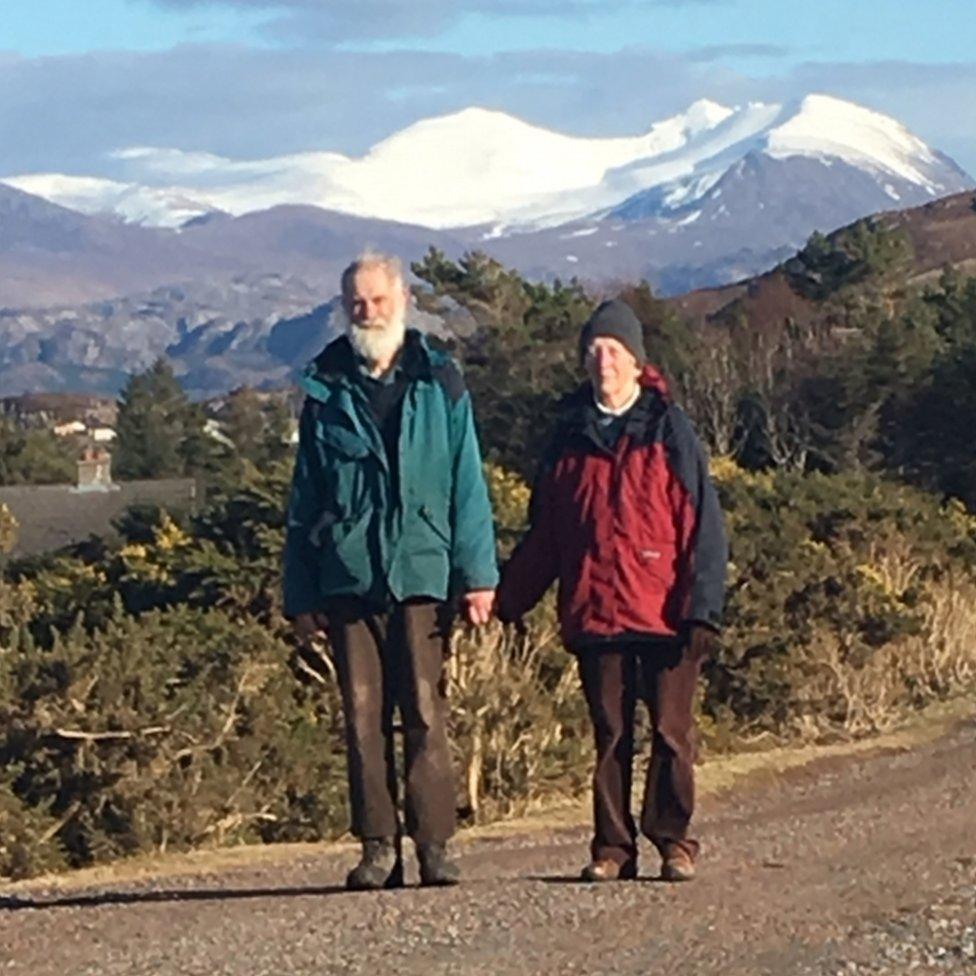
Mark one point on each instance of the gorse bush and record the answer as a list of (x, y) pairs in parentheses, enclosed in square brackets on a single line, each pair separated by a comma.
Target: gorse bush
[(850, 600), (174, 729)]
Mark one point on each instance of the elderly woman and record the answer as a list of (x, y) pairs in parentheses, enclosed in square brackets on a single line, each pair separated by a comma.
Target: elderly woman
[(625, 517)]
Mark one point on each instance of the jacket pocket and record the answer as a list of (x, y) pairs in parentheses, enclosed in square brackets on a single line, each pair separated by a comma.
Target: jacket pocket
[(332, 527), (346, 562), (338, 440), (440, 530)]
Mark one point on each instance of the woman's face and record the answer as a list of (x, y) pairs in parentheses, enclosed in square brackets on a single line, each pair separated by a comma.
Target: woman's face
[(612, 369)]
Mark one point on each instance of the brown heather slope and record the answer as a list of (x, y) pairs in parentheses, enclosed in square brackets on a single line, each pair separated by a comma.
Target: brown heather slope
[(942, 232)]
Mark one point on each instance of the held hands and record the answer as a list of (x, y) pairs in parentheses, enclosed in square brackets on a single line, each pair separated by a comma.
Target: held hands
[(477, 607)]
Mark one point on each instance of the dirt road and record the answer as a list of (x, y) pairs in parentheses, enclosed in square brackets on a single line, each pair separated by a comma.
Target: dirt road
[(856, 866)]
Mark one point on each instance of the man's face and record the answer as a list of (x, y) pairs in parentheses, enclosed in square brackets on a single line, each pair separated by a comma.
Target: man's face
[(376, 305), (374, 300), (612, 369)]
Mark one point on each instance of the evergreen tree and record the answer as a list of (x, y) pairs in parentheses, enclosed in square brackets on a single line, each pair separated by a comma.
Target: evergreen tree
[(258, 426), (155, 420), (35, 457)]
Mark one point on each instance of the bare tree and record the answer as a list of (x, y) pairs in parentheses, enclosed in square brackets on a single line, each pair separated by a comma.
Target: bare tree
[(714, 391)]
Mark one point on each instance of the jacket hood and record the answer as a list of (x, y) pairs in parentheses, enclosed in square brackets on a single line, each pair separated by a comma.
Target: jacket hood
[(651, 378)]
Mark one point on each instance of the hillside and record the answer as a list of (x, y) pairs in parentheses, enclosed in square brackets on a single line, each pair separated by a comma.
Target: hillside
[(940, 233), (260, 328)]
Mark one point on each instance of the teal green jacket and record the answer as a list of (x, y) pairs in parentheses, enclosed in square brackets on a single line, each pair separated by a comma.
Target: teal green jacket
[(346, 533)]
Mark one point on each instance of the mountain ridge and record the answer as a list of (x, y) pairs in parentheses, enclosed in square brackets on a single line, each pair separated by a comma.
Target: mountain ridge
[(260, 328), (481, 166)]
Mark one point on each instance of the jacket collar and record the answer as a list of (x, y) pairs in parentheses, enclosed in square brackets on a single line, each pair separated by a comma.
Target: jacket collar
[(578, 414), (336, 363)]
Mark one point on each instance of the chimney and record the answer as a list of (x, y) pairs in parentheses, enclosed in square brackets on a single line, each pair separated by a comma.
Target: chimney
[(95, 470)]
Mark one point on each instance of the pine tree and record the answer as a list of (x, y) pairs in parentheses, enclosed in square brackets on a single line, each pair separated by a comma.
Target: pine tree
[(154, 420)]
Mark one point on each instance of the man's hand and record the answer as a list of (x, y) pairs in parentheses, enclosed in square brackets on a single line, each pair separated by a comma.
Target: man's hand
[(478, 606), (311, 656), (309, 626)]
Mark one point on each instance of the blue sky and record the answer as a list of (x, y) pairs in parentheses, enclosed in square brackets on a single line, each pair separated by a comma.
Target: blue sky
[(35, 28), (81, 78), (859, 30)]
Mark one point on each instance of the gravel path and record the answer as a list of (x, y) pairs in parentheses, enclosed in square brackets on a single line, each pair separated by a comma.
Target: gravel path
[(854, 867)]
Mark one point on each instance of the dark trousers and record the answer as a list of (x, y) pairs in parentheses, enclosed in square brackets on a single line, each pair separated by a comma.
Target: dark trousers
[(386, 661), (665, 676)]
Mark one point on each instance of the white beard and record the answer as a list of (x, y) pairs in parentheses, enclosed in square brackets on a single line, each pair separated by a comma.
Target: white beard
[(376, 341)]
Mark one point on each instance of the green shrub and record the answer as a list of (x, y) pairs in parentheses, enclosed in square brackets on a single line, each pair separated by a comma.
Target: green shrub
[(149, 700), (837, 585), (177, 729)]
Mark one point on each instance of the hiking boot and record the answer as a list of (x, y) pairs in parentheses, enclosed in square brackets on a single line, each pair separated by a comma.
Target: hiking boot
[(379, 867), (677, 865), (435, 866), (608, 870)]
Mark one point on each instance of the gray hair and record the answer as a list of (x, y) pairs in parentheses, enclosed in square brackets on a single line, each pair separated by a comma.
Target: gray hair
[(389, 263)]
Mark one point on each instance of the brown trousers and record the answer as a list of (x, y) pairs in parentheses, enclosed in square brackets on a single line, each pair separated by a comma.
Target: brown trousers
[(665, 676), (385, 661)]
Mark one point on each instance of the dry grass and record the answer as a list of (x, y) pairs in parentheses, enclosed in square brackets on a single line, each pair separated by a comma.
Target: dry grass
[(517, 720), (867, 696)]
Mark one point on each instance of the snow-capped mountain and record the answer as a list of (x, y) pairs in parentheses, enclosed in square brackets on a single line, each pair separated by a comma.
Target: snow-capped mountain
[(703, 198), (130, 202), (480, 167), (826, 130)]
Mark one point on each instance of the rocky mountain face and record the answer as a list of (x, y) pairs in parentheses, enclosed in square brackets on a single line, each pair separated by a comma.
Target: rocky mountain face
[(255, 330), (261, 329), (760, 211)]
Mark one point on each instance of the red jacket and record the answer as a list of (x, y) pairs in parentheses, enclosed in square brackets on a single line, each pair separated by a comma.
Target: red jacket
[(634, 535)]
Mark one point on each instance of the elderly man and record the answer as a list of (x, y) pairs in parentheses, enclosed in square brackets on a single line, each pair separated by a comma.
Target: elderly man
[(388, 522), (625, 517)]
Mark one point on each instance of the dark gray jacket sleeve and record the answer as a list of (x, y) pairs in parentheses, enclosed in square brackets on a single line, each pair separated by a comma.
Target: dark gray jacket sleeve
[(706, 552)]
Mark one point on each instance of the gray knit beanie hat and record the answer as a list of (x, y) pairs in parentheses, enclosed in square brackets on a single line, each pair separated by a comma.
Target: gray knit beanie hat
[(617, 320)]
